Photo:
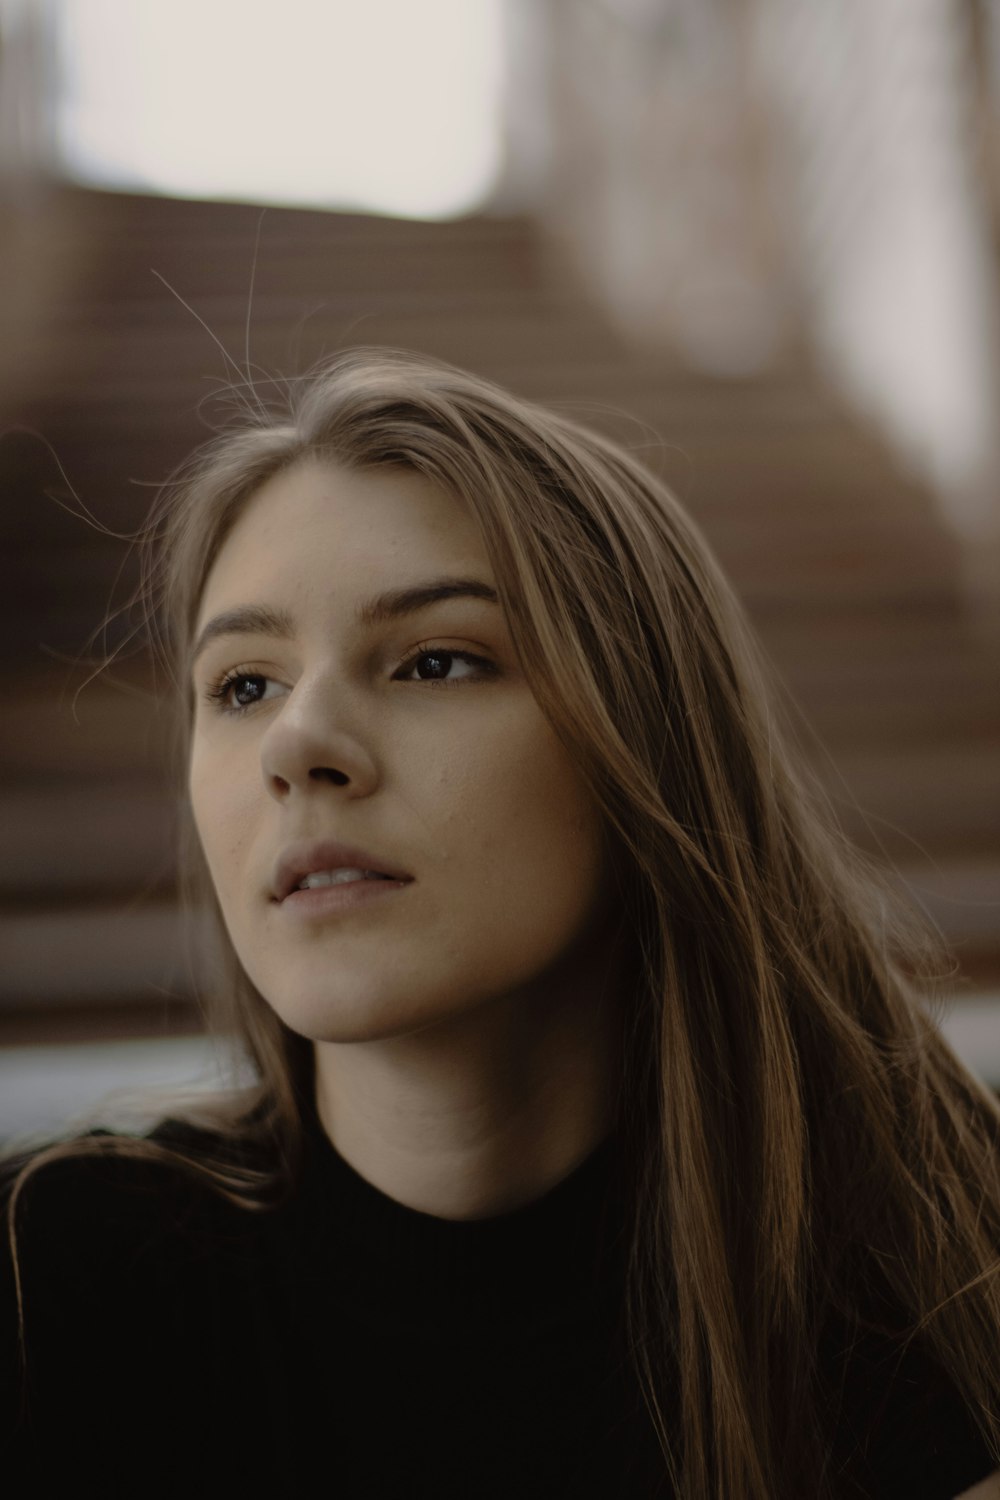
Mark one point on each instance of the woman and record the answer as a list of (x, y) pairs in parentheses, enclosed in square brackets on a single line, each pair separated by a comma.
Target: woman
[(601, 1144)]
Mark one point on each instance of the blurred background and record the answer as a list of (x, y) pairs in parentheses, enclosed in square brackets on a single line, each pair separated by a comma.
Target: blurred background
[(758, 242)]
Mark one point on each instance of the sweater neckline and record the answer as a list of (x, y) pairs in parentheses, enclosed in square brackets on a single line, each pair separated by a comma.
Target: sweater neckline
[(546, 1262)]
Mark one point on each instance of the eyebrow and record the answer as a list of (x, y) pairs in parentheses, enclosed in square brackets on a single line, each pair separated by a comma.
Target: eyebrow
[(259, 619)]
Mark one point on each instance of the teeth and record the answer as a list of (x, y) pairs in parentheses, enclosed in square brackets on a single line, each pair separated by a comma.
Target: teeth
[(336, 877)]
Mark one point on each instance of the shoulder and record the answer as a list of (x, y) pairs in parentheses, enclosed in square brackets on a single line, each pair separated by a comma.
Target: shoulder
[(904, 1429), (89, 1211), (69, 1180), (115, 1267), (111, 1239)]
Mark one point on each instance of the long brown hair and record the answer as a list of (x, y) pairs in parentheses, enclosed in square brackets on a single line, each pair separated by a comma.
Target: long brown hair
[(799, 1136)]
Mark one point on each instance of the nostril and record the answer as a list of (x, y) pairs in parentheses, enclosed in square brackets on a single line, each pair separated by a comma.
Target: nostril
[(324, 773)]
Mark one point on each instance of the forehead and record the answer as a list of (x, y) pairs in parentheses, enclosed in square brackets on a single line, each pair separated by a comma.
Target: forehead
[(316, 525)]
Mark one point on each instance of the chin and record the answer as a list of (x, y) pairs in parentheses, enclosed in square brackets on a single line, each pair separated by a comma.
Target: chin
[(349, 1016)]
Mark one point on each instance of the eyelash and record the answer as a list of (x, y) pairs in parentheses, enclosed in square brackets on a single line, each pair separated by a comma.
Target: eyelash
[(218, 693)]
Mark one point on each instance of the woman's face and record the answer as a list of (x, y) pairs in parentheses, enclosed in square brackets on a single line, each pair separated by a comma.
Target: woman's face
[(314, 724)]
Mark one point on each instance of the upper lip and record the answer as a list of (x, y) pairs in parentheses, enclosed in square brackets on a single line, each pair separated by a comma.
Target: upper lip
[(309, 855)]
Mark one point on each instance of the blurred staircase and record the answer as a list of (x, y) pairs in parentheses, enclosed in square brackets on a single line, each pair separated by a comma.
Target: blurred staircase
[(844, 566)]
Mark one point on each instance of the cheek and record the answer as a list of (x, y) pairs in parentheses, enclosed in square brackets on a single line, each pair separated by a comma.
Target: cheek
[(528, 828), (222, 803)]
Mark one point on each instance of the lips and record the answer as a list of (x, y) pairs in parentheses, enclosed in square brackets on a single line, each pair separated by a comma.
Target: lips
[(309, 856)]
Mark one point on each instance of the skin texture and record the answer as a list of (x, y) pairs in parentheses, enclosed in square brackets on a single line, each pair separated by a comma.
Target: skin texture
[(466, 1027)]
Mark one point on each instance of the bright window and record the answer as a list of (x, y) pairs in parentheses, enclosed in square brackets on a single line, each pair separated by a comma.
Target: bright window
[(390, 106)]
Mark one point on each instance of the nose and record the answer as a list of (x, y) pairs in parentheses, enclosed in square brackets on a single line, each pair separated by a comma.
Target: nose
[(309, 745)]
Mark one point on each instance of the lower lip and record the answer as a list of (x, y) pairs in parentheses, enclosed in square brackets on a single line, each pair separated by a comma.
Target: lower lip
[(324, 900)]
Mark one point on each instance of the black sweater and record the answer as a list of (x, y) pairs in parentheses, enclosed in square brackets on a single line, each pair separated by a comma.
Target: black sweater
[(347, 1346)]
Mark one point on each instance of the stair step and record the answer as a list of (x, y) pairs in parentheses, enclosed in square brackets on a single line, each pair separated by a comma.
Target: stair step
[(73, 958), (71, 844), (935, 800)]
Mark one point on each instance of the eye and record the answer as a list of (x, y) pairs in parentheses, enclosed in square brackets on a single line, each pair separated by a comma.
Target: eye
[(239, 691), (442, 660)]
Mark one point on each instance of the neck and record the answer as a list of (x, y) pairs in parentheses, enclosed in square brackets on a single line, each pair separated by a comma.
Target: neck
[(483, 1112)]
